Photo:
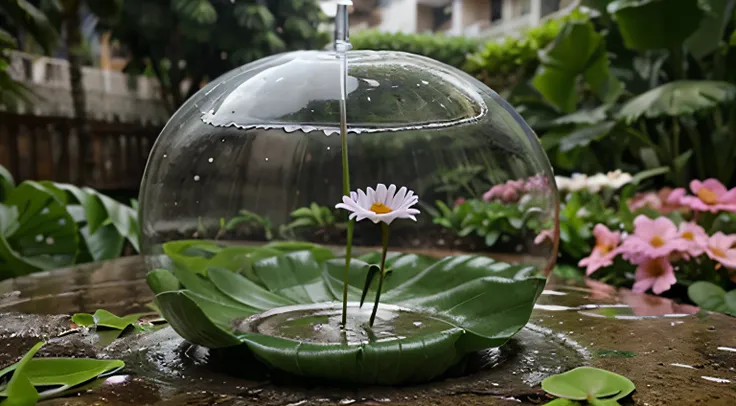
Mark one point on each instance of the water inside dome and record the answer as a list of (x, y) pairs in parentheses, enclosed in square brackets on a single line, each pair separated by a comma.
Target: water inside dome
[(241, 191)]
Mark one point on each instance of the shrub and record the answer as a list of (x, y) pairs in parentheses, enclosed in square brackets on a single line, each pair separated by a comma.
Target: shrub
[(450, 50)]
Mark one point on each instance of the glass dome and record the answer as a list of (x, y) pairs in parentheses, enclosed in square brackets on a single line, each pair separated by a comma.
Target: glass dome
[(255, 159)]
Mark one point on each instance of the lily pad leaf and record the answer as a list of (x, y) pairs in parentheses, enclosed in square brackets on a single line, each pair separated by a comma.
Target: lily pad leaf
[(678, 98), (586, 383), (56, 376), (191, 322), (296, 275), (562, 402), (103, 318), (20, 391)]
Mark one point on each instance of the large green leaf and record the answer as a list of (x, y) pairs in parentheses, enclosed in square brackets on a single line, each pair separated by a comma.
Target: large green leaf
[(712, 297), (586, 383), (43, 236), (585, 135), (7, 183), (655, 24), (578, 51), (20, 391), (678, 98), (48, 377), (712, 28), (682, 97), (474, 302)]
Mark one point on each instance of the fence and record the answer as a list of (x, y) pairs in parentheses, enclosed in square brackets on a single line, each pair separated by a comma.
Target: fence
[(50, 148)]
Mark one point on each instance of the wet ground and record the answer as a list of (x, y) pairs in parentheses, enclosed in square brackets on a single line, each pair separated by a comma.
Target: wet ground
[(674, 354)]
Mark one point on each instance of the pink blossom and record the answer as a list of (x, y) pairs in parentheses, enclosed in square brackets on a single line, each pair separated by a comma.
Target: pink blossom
[(654, 273), (459, 201), (710, 195), (508, 192), (606, 242), (652, 239), (720, 247), (544, 235), (694, 238), (666, 200)]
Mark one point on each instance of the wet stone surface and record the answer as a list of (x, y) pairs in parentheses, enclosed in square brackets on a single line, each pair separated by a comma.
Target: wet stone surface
[(673, 353)]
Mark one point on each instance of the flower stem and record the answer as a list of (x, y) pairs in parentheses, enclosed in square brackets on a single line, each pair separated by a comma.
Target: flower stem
[(384, 243), (345, 179)]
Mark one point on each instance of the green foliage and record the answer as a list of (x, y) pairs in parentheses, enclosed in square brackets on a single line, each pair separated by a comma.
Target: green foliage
[(588, 384), (452, 50), (710, 296), (46, 225), (501, 65), (103, 318), (491, 302), (312, 217), (487, 220), (199, 40), (645, 92), (35, 379), (250, 221)]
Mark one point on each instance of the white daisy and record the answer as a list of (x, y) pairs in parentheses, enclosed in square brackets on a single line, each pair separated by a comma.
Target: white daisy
[(383, 204)]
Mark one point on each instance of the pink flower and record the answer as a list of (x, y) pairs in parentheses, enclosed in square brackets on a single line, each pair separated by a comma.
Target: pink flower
[(720, 247), (544, 235), (710, 195), (459, 201), (652, 239), (694, 238), (666, 200), (654, 273), (507, 192), (606, 242), (648, 305)]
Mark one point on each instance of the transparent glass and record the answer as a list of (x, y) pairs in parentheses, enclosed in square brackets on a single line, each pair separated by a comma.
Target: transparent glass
[(238, 202), (258, 143)]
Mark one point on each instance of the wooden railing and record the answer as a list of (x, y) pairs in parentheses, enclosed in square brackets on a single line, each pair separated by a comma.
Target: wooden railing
[(50, 148)]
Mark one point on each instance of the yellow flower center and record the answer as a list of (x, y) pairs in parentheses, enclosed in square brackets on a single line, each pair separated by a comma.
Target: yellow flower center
[(656, 241), (707, 196), (380, 208), (688, 235), (717, 251), (603, 248), (654, 269)]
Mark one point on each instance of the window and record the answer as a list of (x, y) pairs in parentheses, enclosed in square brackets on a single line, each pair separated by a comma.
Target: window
[(496, 10)]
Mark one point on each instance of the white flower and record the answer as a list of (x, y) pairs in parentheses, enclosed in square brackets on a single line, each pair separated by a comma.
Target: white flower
[(578, 181), (597, 182), (383, 204), (618, 178), (563, 183)]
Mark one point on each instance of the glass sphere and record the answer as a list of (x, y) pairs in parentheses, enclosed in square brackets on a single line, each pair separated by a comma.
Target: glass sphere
[(256, 157)]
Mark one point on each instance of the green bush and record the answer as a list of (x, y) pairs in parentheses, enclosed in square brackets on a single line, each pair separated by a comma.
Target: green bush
[(447, 49), (501, 64)]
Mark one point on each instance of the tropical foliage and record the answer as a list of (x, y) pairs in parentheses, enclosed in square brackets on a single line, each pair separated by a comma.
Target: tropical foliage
[(213, 287), (46, 225), (185, 43)]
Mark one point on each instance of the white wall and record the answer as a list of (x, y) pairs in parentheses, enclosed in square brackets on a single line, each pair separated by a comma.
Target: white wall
[(399, 15)]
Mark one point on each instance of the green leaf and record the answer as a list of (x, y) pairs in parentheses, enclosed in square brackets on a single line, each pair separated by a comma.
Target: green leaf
[(371, 272), (584, 136), (59, 376), (709, 296), (559, 88), (20, 391), (162, 280), (103, 318), (678, 98), (199, 11), (656, 24), (562, 402), (494, 300), (191, 254), (7, 183), (644, 175), (189, 321), (43, 236), (302, 212), (106, 243), (708, 37), (586, 383), (297, 276), (730, 300)]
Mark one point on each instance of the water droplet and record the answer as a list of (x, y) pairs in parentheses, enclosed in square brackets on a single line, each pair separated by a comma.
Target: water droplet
[(39, 238), (196, 178), (49, 240), (222, 140), (682, 366), (369, 98), (425, 82), (417, 323), (211, 160), (62, 222), (266, 159), (328, 148), (727, 349), (166, 155)]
